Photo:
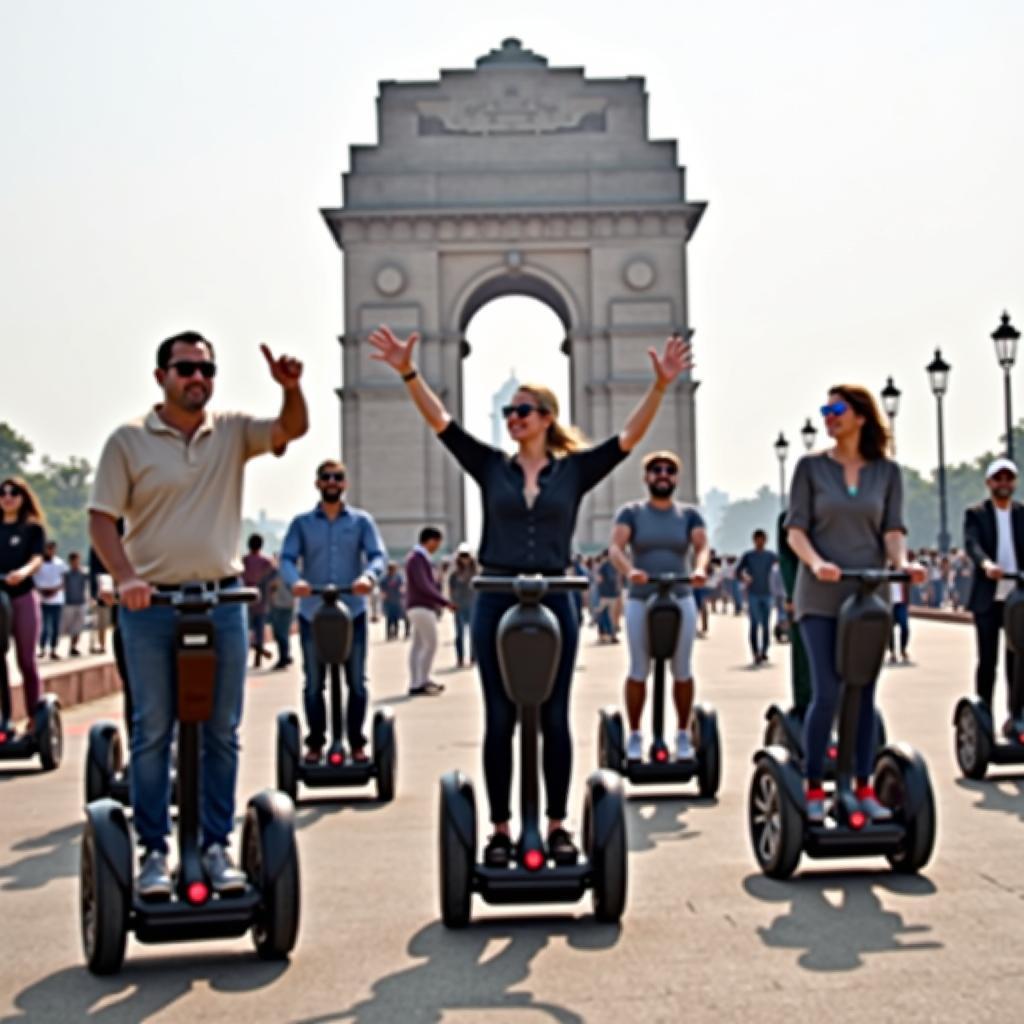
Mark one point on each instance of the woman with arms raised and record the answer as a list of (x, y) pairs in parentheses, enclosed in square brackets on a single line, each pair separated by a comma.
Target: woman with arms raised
[(530, 503)]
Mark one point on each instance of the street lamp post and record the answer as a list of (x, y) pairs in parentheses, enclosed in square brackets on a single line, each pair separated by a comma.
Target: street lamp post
[(808, 432), (891, 404), (782, 450), (1006, 337), (938, 376)]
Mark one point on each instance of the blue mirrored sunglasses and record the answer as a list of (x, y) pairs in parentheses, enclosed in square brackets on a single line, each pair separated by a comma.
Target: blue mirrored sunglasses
[(835, 409)]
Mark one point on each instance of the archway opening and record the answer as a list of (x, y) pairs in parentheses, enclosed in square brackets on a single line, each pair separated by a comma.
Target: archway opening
[(512, 339)]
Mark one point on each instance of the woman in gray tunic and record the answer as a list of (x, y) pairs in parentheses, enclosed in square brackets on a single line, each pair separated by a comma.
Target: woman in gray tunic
[(845, 512)]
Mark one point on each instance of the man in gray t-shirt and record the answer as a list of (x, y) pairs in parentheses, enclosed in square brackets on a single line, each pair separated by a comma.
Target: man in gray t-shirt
[(650, 538), (755, 571)]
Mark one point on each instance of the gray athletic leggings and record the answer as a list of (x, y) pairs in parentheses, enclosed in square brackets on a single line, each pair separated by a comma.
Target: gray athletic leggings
[(636, 637)]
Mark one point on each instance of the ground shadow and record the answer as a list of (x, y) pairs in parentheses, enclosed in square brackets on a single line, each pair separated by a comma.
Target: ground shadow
[(1003, 793), (311, 809), (836, 919), (7, 774), (656, 818), (142, 989), (46, 858), (458, 974)]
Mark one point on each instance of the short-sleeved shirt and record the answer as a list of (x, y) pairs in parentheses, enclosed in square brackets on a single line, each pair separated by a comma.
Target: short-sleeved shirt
[(758, 566), (659, 541), (49, 580), (522, 538), (181, 497), (845, 528), (19, 542), (76, 584)]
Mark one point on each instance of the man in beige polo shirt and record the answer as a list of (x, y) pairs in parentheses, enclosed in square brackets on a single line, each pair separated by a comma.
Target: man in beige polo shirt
[(175, 475)]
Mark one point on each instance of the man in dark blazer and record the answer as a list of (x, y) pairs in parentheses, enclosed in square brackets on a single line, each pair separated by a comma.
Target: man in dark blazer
[(994, 541)]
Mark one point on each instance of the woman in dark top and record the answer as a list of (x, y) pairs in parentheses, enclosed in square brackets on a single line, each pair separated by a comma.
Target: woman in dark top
[(530, 503), (22, 536), (845, 512)]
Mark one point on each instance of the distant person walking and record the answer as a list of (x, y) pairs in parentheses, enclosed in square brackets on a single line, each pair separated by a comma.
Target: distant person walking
[(256, 571), (392, 593), (281, 612), (49, 581), (424, 603), (460, 590), (76, 602), (755, 571), (22, 537)]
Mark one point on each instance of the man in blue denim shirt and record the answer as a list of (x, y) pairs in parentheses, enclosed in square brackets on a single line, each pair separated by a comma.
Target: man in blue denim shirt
[(339, 544)]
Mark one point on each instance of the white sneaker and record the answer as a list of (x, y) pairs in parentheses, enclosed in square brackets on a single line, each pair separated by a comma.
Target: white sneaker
[(224, 876), (684, 748), (635, 747)]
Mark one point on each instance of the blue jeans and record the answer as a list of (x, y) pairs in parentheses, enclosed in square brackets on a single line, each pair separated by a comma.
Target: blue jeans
[(463, 618), (316, 676), (819, 634), (50, 633), (281, 626), (759, 608), (901, 622), (149, 650)]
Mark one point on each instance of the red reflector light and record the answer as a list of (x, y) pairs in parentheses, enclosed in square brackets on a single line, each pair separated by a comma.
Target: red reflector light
[(833, 752), (858, 820), (197, 893), (3, 737), (1020, 738), (336, 758), (661, 754), (533, 860)]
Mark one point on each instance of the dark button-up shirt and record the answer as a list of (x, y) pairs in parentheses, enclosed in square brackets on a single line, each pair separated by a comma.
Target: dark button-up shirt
[(335, 551), (522, 538)]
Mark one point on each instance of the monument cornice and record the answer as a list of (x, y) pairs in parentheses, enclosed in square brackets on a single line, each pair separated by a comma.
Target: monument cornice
[(522, 224)]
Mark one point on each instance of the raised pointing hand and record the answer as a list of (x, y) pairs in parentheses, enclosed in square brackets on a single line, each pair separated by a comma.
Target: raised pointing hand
[(285, 370)]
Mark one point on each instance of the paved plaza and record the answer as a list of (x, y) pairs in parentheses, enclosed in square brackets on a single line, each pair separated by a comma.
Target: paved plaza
[(705, 936)]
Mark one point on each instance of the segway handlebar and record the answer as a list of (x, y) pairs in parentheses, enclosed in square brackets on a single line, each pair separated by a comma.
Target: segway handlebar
[(527, 583), (329, 590), (875, 577), (669, 579), (195, 595)]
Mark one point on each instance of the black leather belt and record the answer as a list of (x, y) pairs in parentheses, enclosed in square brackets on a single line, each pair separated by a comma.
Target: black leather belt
[(226, 581)]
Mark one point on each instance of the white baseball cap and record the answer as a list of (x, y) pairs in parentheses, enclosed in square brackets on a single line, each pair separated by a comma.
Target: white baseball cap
[(998, 465)]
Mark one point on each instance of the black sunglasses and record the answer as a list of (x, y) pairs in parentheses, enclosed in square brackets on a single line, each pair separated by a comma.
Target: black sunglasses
[(522, 410), (326, 478), (662, 469), (188, 368), (11, 492)]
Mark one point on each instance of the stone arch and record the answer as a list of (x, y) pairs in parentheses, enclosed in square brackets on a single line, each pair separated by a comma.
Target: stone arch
[(513, 178)]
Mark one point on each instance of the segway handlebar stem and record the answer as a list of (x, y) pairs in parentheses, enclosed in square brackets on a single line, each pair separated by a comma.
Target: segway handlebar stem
[(529, 586), (197, 596), (875, 577)]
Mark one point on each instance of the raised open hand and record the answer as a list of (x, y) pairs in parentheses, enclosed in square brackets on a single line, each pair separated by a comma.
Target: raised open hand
[(674, 360), (391, 349), (285, 370)]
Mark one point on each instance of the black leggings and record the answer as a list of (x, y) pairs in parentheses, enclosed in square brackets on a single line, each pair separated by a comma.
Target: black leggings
[(500, 712)]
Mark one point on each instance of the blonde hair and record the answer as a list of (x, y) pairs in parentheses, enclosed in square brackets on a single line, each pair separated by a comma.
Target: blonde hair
[(562, 438)]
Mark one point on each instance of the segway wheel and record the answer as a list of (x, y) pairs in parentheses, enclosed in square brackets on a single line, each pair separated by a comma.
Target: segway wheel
[(49, 734), (709, 753), (611, 747), (776, 826), (270, 859), (103, 899), (457, 849), (288, 754), (604, 842), (104, 759), (385, 754), (893, 782), (973, 746)]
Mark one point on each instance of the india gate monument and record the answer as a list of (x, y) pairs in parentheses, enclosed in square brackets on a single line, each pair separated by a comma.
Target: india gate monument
[(513, 178)]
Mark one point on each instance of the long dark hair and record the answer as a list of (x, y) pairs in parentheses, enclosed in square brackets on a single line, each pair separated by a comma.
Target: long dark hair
[(31, 510), (875, 439)]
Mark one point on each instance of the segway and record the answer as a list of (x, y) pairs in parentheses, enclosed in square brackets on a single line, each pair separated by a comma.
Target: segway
[(977, 743), (529, 646), (779, 829), (47, 735), (664, 620), (269, 904), (332, 636)]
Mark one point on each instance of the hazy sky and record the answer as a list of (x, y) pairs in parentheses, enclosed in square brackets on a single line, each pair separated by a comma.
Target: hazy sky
[(163, 165)]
